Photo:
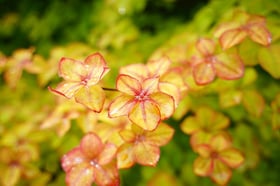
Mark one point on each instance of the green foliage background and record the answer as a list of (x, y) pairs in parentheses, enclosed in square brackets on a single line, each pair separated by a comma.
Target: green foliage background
[(129, 31)]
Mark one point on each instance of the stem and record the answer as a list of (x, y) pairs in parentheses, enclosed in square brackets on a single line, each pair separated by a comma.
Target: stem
[(109, 89)]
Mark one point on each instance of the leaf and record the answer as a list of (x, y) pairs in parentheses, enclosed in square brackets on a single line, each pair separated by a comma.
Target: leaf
[(165, 104), (203, 73), (146, 115), (146, 154), (128, 84), (92, 97), (229, 66), (232, 37), (270, 60), (232, 157), (203, 166), (161, 135), (221, 173)]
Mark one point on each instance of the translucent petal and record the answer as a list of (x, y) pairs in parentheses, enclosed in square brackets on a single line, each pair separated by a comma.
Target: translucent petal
[(161, 135), (107, 175), (67, 89), (172, 90), (229, 66), (200, 137), (96, 67), (80, 175), (92, 97), (11, 175), (108, 154), (145, 114), (232, 157), (128, 84), (125, 156), (203, 73), (204, 150), (150, 85), (165, 104), (72, 159), (146, 154), (159, 67), (138, 71), (260, 34), (190, 125), (225, 27), (221, 173), (203, 166), (71, 70), (221, 142), (91, 146), (127, 135), (232, 37), (121, 106), (205, 46)]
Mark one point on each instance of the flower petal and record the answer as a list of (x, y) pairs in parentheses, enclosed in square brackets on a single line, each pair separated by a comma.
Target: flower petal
[(190, 125), (127, 135), (220, 142), (125, 156), (128, 84), (91, 145), (145, 114), (232, 157), (146, 154), (72, 159), (229, 66), (159, 67), (80, 175), (96, 67), (138, 71), (165, 104), (221, 173), (205, 46), (71, 70), (161, 135), (203, 73), (67, 89), (150, 85), (121, 106), (107, 175), (172, 90), (203, 166), (232, 37), (260, 34), (92, 97), (108, 154)]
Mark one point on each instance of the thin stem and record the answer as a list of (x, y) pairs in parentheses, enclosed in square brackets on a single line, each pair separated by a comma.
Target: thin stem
[(109, 89)]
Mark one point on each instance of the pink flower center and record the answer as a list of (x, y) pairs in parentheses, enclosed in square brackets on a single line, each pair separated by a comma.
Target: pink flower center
[(142, 96)]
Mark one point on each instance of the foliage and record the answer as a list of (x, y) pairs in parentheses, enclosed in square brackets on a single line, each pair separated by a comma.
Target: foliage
[(159, 98)]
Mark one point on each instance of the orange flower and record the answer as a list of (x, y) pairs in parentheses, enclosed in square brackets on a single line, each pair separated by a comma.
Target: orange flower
[(81, 80), (142, 101), (92, 161), (217, 158), (211, 64), (142, 146), (252, 26)]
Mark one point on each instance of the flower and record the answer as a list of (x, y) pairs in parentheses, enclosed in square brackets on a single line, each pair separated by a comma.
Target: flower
[(252, 26), (209, 64), (92, 161), (81, 80), (204, 125), (141, 101), (142, 146), (217, 158)]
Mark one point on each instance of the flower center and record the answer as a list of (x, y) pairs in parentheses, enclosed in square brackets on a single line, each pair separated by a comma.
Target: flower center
[(142, 96)]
